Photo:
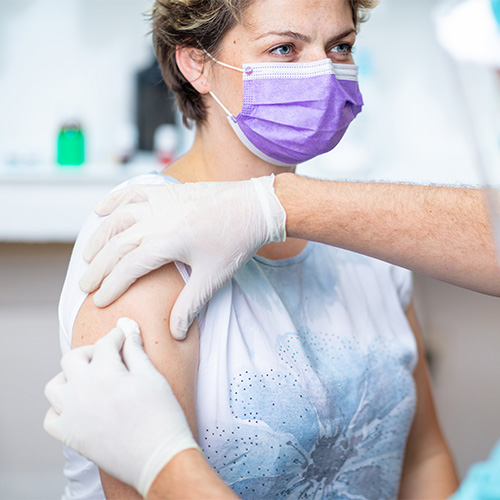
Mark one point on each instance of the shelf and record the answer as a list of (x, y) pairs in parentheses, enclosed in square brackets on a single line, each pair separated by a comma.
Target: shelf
[(50, 204)]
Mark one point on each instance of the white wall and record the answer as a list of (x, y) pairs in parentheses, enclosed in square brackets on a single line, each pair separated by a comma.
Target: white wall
[(463, 334), (63, 59)]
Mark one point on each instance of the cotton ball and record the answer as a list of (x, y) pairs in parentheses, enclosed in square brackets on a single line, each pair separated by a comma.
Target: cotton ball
[(128, 326)]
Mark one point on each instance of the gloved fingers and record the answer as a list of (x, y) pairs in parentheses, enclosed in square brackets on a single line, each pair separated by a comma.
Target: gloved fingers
[(107, 258), (76, 360), (195, 294), (130, 194), (137, 361), (53, 391), (133, 353), (107, 349), (51, 423), (123, 275), (120, 220)]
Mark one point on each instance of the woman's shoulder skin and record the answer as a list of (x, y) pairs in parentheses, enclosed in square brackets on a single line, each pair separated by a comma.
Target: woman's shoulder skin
[(148, 301)]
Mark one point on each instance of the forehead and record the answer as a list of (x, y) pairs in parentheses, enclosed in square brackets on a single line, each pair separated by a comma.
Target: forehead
[(265, 15)]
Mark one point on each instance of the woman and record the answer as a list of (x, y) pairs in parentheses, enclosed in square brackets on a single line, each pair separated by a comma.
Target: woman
[(302, 377)]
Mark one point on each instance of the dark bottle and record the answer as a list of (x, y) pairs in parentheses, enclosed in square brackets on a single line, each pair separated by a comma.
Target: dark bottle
[(155, 105)]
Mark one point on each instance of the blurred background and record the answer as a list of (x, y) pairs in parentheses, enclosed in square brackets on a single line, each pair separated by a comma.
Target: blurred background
[(82, 108)]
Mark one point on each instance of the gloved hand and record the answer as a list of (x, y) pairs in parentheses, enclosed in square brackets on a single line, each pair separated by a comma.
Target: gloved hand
[(482, 482), (213, 227), (119, 413)]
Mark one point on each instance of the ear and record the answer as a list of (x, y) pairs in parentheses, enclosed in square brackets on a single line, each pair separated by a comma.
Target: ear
[(191, 63)]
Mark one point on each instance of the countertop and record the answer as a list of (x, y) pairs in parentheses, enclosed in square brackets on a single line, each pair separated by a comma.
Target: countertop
[(49, 204)]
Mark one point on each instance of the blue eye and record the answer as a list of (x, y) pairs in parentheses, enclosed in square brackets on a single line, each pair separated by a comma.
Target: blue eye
[(343, 48), (283, 50)]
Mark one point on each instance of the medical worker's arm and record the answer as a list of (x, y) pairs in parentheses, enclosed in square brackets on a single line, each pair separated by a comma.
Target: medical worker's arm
[(428, 472), (190, 477), (216, 227), (443, 232), (148, 302), (101, 384)]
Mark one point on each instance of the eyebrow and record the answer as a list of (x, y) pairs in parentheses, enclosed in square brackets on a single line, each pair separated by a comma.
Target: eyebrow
[(305, 38)]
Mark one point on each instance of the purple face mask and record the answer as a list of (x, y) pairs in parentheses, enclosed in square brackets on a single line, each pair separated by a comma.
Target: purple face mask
[(293, 112)]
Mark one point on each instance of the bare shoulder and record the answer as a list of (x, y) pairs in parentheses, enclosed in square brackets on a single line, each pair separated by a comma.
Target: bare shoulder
[(149, 302), (154, 292)]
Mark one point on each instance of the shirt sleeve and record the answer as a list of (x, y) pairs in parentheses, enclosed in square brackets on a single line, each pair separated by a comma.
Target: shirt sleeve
[(403, 281), (72, 297)]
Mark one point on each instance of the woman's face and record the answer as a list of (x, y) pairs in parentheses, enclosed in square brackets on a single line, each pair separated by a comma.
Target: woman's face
[(282, 31)]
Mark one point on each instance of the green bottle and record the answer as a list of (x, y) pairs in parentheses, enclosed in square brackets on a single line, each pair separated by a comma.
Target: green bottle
[(70, 145)]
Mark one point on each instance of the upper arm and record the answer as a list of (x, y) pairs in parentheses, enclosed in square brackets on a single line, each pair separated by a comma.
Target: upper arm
[(428, 466), (148, 301), (425, 423)]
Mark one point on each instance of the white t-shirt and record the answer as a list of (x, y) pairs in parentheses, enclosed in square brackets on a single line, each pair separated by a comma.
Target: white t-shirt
[(305, 386)]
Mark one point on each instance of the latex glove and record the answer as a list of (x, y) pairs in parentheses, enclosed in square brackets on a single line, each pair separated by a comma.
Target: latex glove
[(482, 481), (214, 227), (118, 412)]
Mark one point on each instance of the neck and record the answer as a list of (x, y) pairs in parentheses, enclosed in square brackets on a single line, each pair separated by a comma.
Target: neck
[(221, 157)]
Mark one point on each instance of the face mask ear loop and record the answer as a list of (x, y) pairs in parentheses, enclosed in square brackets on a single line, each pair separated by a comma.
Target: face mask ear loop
[(228, 113), (221, 63)]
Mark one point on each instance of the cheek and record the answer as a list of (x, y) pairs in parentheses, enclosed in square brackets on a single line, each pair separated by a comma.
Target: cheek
[(228, 83), (237, 93), (228, 87)]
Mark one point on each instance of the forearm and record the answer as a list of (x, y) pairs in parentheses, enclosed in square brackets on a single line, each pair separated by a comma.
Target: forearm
[(433, 478), (189, 476), (440, 231)]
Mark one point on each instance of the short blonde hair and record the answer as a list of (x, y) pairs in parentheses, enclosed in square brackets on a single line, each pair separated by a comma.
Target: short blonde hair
[(203, 24)]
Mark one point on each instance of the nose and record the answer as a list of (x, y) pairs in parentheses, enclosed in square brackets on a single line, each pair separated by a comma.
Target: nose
[(314, 54), (318, 52)]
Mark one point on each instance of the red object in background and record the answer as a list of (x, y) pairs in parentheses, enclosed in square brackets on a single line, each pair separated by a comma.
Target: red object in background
[(165, 144)]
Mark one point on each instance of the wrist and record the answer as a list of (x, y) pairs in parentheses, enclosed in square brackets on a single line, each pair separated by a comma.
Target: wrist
[(288, 188), (189, 476), (166, 451)]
